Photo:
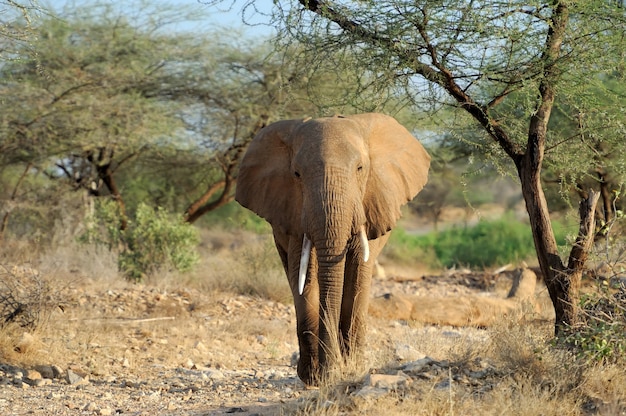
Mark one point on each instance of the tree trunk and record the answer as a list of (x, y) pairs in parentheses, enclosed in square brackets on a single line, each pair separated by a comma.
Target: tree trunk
[(202, 205), (556, 276), (563, 282), (580, 251), (550, 262), (7, 214), (106, 175)]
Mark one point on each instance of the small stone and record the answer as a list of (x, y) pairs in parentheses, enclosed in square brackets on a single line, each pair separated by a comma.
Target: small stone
[(91, 407), (105, 411), (479, 374), (277, 375), (46, 371), (444, 384), (57, 371), (214, 374), (33, 375), (75, 379), (38, 382), (261, 339), (200, 347), (417, 366), (406, 352), (387, 381), (131, 384)]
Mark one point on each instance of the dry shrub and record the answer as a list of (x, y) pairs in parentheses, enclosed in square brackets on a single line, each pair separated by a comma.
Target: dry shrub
[(26, 302), (525, 354), (600, 333), (18, 251), (604, 388), (26, 298), (522, 396)]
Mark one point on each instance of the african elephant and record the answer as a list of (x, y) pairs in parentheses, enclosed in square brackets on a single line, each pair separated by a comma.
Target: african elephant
[(332, 189)]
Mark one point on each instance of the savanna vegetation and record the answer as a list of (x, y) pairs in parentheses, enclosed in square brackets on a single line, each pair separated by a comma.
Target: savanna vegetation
[(120, 139)]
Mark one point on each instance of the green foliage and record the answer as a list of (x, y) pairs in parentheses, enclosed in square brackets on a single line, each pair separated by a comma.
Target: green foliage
[(117, 103), (600, 335), (103, 225), (234, 216), (488, 243), (404, 247), (154, 240)]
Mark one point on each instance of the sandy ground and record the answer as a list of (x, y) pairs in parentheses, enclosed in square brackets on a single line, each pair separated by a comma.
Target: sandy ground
[(163, 350)]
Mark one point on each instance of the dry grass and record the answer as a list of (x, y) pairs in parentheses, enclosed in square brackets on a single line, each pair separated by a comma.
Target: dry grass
[(527, 375), (251, 268), (248, 265)]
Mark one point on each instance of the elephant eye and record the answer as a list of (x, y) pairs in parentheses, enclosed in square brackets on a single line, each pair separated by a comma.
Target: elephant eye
[(296, 174), (359, 168)]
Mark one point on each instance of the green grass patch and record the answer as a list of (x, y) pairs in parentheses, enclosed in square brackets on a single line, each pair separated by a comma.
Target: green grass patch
[(487, 244)]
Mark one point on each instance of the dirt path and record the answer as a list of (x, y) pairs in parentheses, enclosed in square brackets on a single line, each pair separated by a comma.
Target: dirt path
[(143, 350)]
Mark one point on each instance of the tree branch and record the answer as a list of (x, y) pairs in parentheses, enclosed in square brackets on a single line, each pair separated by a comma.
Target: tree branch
[(586, 233), (442, 77)]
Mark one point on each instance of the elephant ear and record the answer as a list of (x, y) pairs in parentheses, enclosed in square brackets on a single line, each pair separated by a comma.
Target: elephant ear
[(398, 171), (265, 184)]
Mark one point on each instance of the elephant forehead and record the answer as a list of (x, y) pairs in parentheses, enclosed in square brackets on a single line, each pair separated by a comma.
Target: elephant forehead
[(329, 139)]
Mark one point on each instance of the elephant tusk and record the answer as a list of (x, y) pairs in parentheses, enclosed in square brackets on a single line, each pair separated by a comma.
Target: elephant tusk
[(364, 244), (304, 263)]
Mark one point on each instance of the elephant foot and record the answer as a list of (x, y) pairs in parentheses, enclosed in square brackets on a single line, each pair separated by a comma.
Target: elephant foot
[(308, 373)]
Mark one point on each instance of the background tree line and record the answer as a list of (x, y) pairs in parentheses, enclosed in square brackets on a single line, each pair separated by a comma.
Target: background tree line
[(117, 118), (104, 115)]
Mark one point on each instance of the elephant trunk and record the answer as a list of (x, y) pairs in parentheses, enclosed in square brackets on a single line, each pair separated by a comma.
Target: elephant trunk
[(331, 230), (331, 267), (332, 219), (306, 255)]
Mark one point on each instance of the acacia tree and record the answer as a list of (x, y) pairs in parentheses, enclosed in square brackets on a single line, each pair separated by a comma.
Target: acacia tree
[(236, 88), (122, 108), (504, 64), (71, 105)]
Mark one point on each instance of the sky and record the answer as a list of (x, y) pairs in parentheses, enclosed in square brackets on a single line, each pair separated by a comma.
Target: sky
[(227, 14)]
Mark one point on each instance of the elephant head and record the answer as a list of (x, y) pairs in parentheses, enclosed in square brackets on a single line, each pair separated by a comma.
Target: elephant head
[(335, 186)]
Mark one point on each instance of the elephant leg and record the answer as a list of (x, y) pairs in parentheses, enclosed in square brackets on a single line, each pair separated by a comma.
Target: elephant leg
[(352, 323), (356, 295), (307, 312)]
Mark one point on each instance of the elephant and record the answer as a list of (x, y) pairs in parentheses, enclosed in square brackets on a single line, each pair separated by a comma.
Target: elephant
[(331, 189)]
